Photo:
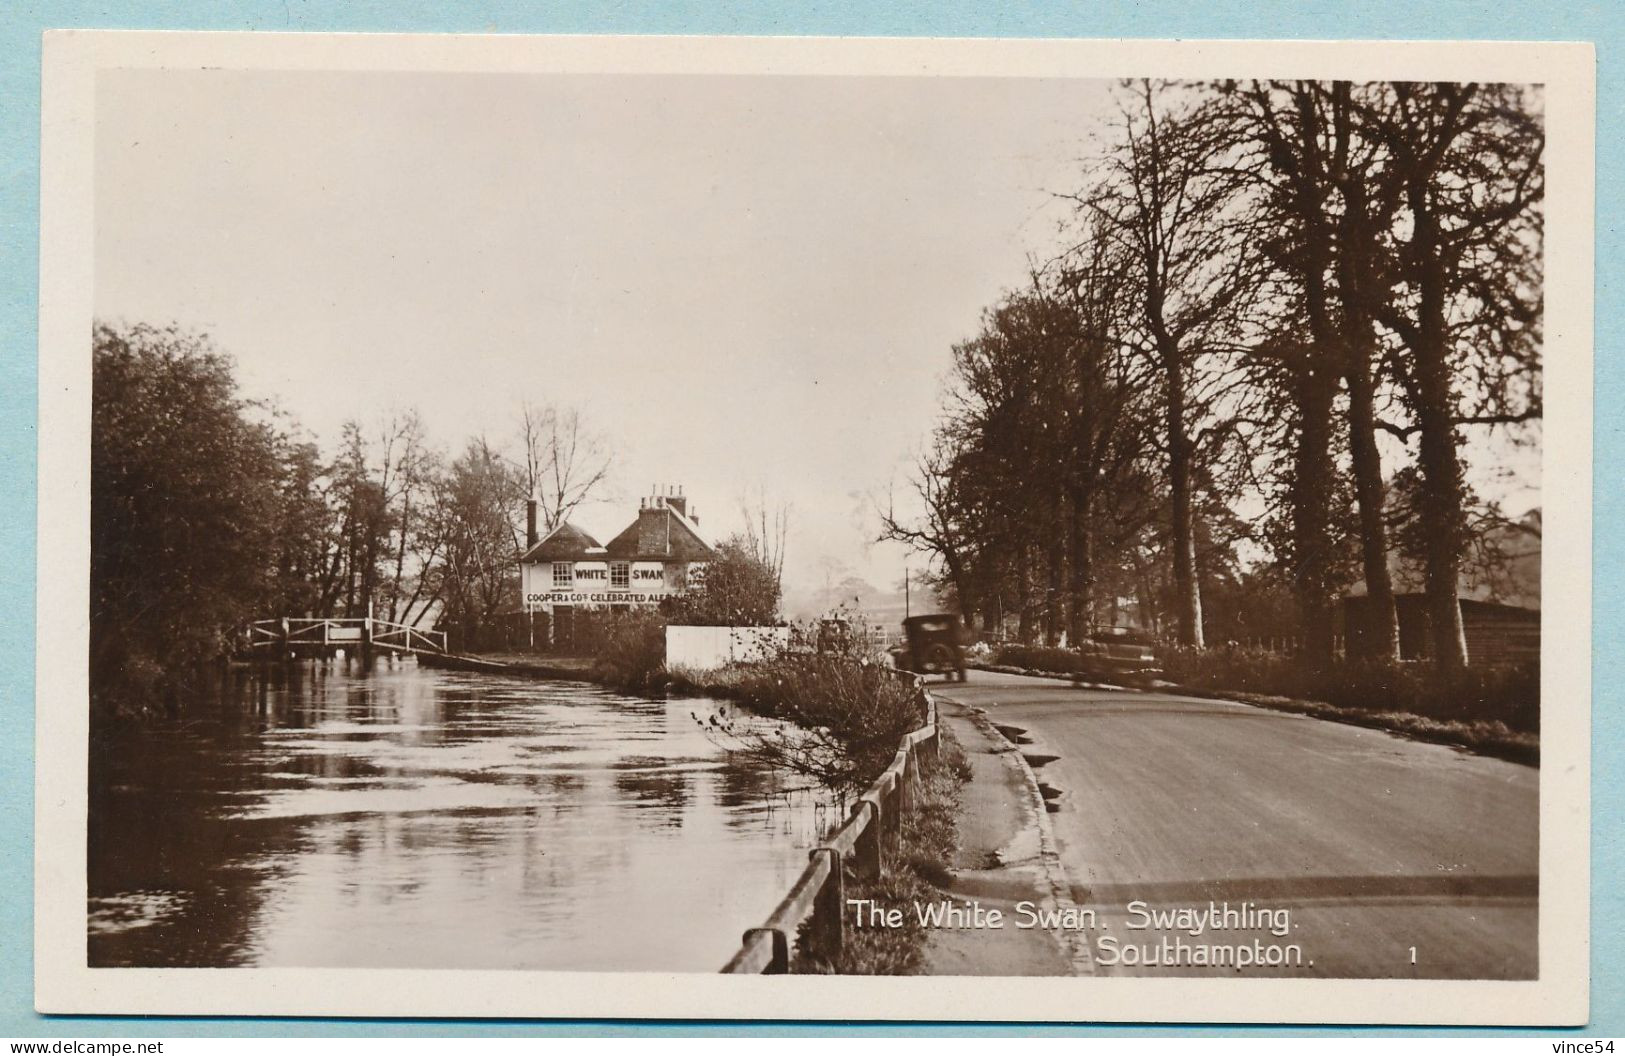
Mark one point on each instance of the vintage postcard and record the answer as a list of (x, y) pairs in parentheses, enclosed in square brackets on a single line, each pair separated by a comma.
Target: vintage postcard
[(814, 529)]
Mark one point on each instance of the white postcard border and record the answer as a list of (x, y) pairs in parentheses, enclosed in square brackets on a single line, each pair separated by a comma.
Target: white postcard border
[(64, 983)]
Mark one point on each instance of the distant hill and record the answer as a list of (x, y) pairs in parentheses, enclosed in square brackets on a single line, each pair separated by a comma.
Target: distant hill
[(884, 608)]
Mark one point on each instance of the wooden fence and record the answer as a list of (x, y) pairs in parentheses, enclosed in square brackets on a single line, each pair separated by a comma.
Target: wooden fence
[(1281, 644), (871, 835)]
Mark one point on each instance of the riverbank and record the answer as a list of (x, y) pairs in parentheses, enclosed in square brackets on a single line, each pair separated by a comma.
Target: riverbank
[(569, 668)]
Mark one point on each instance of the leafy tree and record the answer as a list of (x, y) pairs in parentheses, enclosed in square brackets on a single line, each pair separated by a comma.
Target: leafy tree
[(187, 490), (943, 530), (1290, 147), (477, 573), (364, 524), (304, 533), (735, 589)]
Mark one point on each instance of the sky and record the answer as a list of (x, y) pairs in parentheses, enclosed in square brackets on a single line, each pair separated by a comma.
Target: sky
[(747, 284)]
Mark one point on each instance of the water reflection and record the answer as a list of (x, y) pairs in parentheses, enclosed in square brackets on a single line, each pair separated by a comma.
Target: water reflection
[(320, 816)]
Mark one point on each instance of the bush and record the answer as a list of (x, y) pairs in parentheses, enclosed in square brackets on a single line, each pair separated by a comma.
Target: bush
[(630, 648), (845, 715)]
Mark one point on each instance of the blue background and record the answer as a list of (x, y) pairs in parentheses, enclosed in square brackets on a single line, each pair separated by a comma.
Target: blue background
[(22, 23)]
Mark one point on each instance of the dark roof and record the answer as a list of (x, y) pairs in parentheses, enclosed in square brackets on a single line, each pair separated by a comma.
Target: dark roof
[(660, 534), (564, 543)]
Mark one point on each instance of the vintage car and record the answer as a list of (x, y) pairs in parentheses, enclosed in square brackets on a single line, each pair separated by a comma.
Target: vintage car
[(935, 645)]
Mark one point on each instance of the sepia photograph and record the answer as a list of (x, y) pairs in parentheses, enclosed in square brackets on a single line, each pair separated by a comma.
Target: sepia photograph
[(687, 511)]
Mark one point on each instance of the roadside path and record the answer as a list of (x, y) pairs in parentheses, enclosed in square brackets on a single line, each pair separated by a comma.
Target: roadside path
[(999, 863)]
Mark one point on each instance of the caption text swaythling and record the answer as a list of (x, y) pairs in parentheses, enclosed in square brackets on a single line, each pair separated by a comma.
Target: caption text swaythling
[(1174, 951)]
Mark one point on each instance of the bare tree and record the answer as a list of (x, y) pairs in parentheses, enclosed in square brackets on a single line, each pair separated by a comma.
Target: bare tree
[(563, 463), (1291, 149), (406, 470), (767, 524), (1162, 200), (1462, 295), (940, 531)]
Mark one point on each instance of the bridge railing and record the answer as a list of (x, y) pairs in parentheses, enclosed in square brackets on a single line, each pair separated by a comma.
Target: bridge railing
[(871, 835), (411, 639), (335, 631)]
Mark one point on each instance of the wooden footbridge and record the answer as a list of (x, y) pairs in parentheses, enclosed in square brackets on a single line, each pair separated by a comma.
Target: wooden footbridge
[(324, 636)]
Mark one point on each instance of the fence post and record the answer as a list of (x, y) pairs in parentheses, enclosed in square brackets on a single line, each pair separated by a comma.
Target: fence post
[(779, 963), (827, 920), (892, 813), (866, 848), (905, 784)]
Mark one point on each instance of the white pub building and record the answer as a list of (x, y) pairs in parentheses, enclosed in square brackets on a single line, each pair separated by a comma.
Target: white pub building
[(653, 558)]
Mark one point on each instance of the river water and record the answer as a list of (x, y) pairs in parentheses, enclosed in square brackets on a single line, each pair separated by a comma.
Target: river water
[(320, 816)]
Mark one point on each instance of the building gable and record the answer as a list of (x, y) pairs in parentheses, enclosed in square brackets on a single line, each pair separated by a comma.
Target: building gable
[(660, 534), (564, 543)]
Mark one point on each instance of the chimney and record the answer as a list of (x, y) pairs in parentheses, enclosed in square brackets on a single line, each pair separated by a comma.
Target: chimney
[(654, 530), (678, 502), (530, 522)]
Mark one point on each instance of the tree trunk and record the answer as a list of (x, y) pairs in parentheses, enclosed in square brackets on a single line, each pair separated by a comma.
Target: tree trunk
[(1024, 627), (1311, 501), (1082, 612), (1187, 589), (1382, 629), (1441, 509), (1150, 615), (1354, 265), (1054, 596), (967, 603), (396, 613), (349, 568), (1441, 501)]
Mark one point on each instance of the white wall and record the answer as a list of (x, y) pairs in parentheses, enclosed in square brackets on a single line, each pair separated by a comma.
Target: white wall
[(705, 648)]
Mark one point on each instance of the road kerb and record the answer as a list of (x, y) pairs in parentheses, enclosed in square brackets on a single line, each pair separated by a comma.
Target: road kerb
[(1073, 943)]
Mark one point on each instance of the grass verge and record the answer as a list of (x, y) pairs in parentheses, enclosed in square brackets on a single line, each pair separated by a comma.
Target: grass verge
[(1482, 736), (916, 874), (1490, 737)]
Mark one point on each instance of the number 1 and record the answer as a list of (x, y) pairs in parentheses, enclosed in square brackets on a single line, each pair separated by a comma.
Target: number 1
[(1413, 954)]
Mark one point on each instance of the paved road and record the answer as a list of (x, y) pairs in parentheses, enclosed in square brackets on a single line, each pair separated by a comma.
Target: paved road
[(1373, 844)]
